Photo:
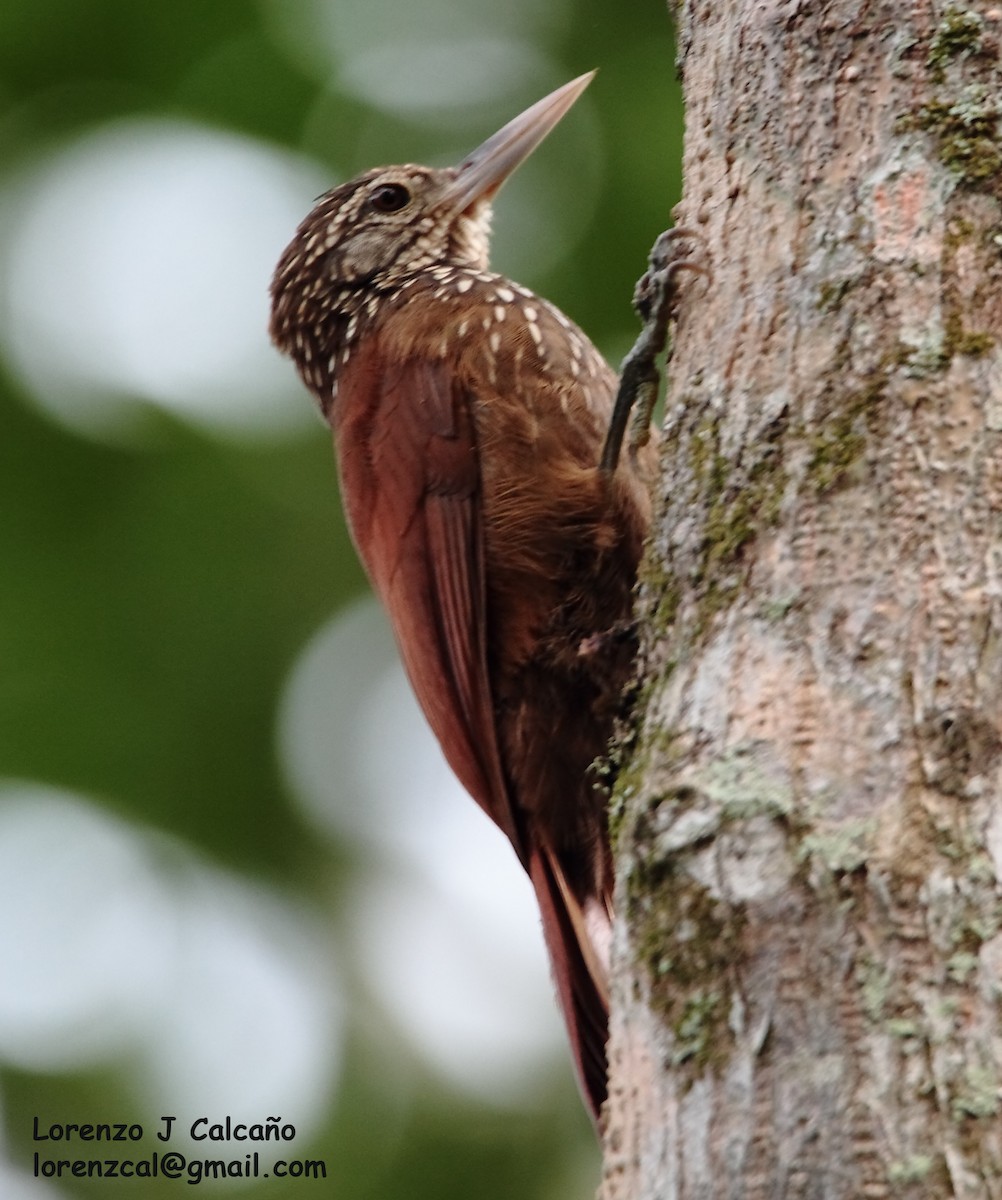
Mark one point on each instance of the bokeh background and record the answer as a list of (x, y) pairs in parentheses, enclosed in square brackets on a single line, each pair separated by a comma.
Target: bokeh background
[(235, 875)]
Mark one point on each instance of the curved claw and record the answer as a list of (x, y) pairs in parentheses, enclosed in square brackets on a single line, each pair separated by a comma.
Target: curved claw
[(655, 300), (663, 264)]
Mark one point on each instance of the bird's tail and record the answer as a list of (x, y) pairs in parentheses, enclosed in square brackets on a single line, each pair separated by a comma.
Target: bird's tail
[(578, 934)]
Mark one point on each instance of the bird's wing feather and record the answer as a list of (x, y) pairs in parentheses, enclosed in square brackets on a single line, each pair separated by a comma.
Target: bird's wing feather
[(410, 475)]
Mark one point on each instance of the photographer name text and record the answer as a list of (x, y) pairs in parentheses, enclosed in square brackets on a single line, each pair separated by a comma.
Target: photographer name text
[(200, 1130)]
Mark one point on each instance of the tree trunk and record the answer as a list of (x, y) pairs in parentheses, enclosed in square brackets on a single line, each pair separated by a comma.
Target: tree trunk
[(807, 994)]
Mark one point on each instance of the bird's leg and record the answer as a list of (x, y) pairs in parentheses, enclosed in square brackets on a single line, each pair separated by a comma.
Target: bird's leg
[(620, 633), (655, 301)]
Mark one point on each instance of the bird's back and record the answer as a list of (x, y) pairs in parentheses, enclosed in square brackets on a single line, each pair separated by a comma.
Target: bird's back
[(469, 425)]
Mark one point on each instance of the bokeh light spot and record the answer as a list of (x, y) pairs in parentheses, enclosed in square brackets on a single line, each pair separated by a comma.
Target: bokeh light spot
[(123, 941), (326, 38), (249, 1020), (82, 956), (408, 78), (137, 261)]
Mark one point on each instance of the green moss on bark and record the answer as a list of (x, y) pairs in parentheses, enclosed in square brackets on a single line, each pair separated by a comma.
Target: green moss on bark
[(959, 33), (684, 941)]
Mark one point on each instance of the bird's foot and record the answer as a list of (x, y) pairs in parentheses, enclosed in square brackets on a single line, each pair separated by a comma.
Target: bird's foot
[(655, 300), (621, 633)]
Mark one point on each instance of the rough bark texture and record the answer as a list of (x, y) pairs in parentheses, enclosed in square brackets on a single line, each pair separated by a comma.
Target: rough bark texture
[(808, 976)]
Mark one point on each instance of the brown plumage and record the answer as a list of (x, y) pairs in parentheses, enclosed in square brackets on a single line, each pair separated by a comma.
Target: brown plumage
[(469, 417)]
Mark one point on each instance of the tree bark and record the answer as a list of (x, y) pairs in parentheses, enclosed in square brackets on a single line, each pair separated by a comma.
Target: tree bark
[(807, 993)]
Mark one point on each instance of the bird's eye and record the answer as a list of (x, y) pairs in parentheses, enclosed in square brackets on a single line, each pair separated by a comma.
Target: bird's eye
[(390, 198)]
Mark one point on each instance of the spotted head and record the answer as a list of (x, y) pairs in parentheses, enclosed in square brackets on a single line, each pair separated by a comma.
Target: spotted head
[(364, 238)]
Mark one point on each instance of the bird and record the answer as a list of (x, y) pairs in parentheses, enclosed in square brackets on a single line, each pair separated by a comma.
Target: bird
[(469, 416)]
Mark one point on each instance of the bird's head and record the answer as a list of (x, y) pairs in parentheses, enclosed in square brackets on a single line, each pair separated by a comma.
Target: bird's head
[(366, 235)]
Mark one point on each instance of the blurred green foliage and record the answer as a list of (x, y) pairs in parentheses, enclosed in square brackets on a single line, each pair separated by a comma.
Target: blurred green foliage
[(154, 596)]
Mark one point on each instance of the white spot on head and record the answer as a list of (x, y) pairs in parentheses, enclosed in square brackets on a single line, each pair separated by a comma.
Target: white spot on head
[(495, 341), (499, 312), (464, 283), (505, 294), (530, 313)]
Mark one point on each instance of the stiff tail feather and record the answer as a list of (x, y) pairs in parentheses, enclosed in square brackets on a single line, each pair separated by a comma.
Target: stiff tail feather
[(577, 937)]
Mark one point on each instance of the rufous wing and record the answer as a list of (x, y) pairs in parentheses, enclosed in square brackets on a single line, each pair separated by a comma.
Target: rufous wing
[(411, 482)]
